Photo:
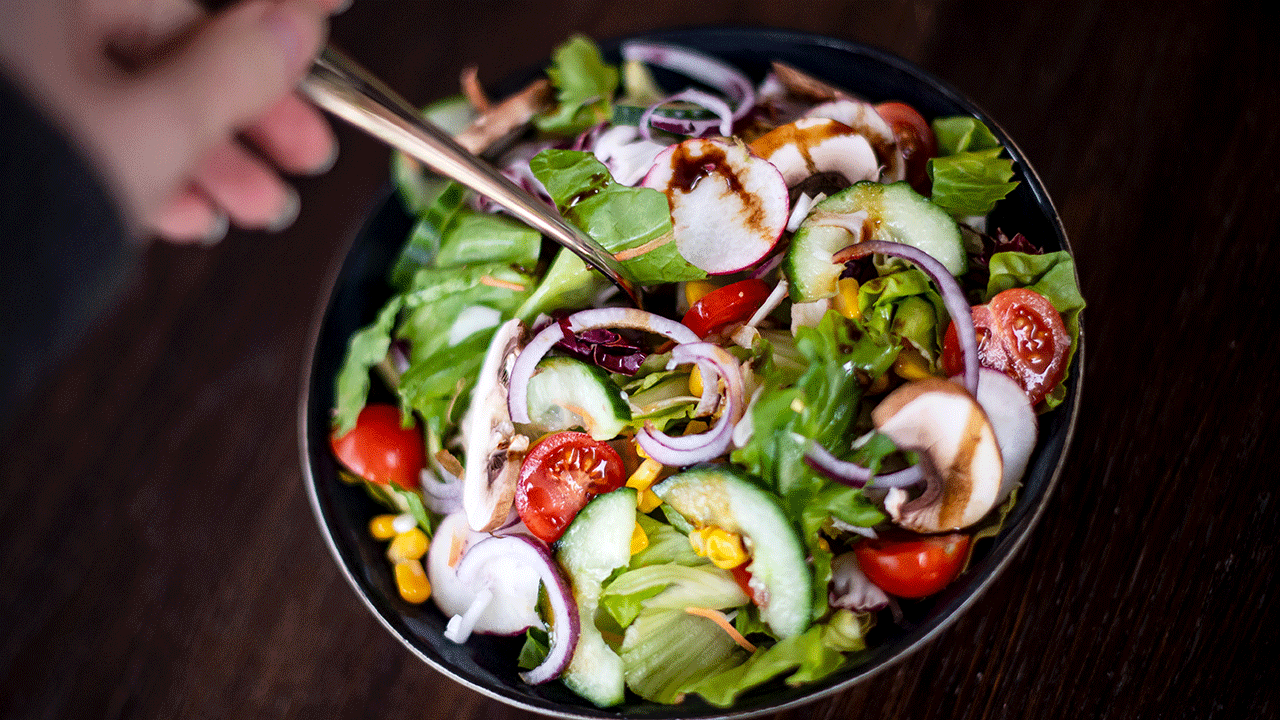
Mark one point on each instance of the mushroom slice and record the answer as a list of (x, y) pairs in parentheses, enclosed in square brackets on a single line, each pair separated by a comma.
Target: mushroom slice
[(812, 146), (493, 450), (941, 420), (499, 122), (863, 118)]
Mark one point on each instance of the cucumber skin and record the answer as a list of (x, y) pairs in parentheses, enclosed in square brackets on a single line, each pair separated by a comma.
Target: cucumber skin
[(895, 211), (597, 542), (609, 421), (726, 497)]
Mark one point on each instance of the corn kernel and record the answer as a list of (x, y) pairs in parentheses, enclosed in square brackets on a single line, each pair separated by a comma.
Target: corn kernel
[(639, 539), (412, 582), (695, 382), (911, 365), (648, 501), (410, 545), (383, 527), (695, 290), (645, 475), (723, 548), (846, 299)]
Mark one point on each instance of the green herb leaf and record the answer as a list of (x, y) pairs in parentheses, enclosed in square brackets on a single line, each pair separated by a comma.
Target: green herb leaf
[(584, 85)]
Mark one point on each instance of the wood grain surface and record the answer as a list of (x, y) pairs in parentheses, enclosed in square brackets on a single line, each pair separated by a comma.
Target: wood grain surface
[(159, 558)]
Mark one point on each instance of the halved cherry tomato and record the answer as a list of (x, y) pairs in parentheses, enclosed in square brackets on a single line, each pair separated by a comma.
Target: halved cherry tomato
[(559, 475), (913, 568), (1020, 334), (915, 139), (743, 578), (380, 450), (724, 306)]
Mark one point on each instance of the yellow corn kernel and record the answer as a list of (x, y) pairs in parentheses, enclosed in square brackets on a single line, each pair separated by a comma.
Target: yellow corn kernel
[(645, 475), (911, 365), (846, 300), (695, 290), (383, 527), (639, 539), (412, 582), (723, 548), (695, 382), (648, 501), (410, 545)]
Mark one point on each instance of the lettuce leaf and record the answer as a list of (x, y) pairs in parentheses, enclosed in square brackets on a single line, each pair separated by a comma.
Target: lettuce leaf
[(618, 217), (367, 347), (584, 86), (803, 658), (904, 304), (969, 176)]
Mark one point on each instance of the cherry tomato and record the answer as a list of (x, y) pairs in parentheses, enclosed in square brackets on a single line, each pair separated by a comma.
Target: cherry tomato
[(1020, 334), (724, 306), (559, 475), (743, 578), (915, 139), (913, 568), (380, 450)]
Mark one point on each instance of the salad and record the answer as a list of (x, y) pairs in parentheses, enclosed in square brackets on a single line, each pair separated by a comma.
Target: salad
[(831, 394)]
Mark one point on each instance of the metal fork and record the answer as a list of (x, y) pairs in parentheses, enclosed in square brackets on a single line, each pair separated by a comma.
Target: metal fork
[(340, 86)]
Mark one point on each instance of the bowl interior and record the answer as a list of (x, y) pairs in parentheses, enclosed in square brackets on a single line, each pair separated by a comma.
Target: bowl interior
[(487, 664)]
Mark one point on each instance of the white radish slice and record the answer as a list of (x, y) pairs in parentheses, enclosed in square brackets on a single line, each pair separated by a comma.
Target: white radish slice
[(728, 207), (512, 585), (1015, 423), (811, 146)]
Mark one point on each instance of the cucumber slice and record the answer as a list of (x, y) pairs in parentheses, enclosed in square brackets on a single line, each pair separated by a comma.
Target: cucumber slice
[(566, 393), (596, 543), (727, 498), (418, 188), (895, 213)]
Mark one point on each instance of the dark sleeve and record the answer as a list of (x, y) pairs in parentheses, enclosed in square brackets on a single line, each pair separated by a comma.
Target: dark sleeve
[(63, 250)]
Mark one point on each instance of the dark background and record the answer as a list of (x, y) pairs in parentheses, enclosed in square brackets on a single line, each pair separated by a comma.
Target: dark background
[(158, 556)]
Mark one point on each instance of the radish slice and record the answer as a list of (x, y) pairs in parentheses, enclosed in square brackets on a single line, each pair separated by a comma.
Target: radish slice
[(728, 206), (541, 344), (517, 550), (1014, 421)]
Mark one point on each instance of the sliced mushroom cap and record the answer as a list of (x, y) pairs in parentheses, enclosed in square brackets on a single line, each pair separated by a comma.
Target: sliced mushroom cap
[(493, 449), (945, 424), (812, 146)]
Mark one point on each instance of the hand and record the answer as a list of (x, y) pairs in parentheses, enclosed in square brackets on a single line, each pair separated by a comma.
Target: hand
[(163, 98)]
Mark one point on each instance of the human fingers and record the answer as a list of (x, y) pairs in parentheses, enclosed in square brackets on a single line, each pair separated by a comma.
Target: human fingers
[(246, 188), (196, 97), (295, 136), (190, 217)]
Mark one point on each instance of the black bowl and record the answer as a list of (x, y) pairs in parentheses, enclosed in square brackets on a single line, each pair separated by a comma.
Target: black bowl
[(488, 664)]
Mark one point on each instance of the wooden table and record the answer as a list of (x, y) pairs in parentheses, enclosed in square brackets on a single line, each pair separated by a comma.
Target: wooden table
[(159, 559)]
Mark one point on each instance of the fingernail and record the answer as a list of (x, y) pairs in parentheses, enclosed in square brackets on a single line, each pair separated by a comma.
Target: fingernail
[(288, 213), (343, 6), (329, 161), (217, 229)]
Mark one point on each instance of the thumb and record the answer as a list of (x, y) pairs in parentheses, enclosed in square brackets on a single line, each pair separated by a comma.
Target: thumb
[(229, 71)]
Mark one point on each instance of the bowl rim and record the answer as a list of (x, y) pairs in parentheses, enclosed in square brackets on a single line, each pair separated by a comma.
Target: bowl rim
[(848, 677)]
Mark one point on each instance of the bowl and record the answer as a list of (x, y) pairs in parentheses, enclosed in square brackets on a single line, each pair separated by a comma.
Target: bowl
[(488, 664)]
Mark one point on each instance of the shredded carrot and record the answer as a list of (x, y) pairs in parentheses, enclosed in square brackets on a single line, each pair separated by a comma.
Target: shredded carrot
[(722, 620), (472, 90), (455, 549), (639, 250), (492, 281)]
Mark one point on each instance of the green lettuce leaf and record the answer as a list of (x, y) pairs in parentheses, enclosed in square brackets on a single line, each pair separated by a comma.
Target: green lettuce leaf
[(584, 86), (567, 284), (904, 304), (476, 237), (802, 658), (962, 133), (367, 348), (427, 235), (618, 217), (971, 182)]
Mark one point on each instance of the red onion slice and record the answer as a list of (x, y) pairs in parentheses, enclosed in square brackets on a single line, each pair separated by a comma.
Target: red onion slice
[(723, 122), (693, 449), (541, 344), (564, 625), (703, 68), (952, 296), (855, 475), (850, 588)]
